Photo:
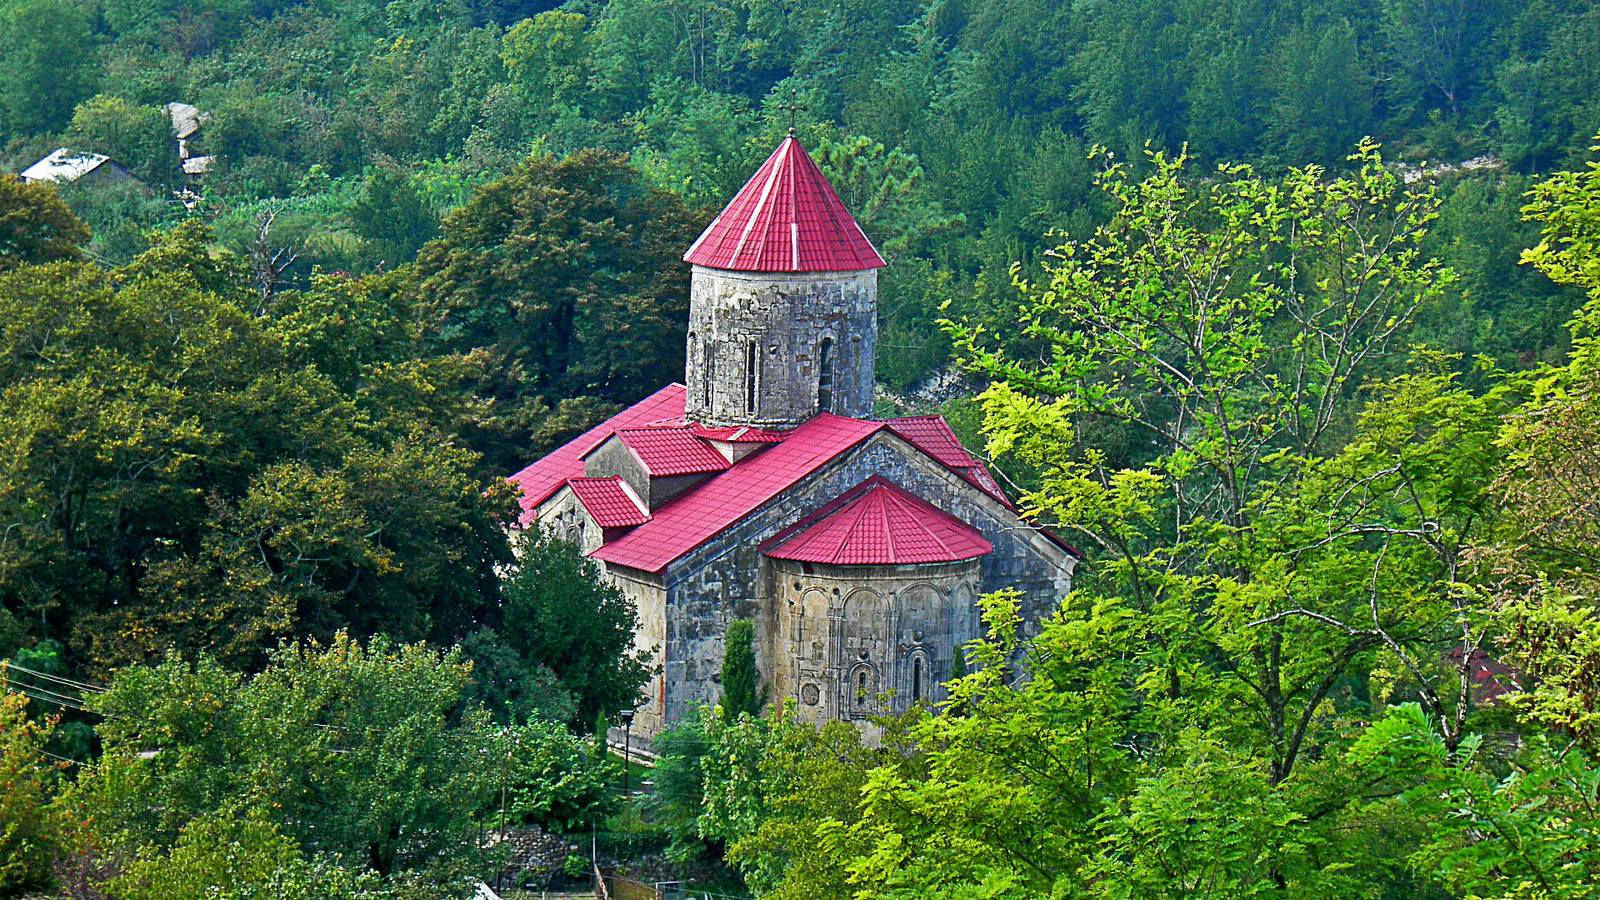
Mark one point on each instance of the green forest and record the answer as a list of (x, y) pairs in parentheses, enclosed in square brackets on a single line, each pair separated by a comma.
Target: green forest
[(1285, 314)]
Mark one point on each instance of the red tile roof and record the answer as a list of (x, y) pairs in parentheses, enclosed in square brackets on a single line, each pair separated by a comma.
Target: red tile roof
[(736, 490), (738, 434), (541, 480), (672, 451), (787, 218), (609, 501), (878, 523), (700, 513), (937, 439)]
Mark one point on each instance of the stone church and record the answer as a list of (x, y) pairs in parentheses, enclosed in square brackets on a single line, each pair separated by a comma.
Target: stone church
[(762, 487)]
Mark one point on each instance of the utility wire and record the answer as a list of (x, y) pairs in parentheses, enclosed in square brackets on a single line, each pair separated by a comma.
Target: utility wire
[(81, 685), (58, 699)]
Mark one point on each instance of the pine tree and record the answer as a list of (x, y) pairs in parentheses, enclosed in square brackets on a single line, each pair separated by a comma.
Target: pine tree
[(741, 683)]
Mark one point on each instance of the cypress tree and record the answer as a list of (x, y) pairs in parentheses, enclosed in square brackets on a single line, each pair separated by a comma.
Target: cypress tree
[(741, 684)]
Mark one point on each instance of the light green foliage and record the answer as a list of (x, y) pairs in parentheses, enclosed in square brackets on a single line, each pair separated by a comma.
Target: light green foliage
[(742, 692), (35, 226), (362, 754), (1523, 831), (228, 857), (556, 782), (31, 831), (137, 137)]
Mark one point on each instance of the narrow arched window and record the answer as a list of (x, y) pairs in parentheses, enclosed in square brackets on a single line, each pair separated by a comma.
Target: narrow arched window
[(825, 376), (751, 360), (916, 680), (709, 359), (861, 688)]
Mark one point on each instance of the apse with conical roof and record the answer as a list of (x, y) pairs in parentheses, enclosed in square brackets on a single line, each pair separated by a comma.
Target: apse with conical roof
[(783, 303)]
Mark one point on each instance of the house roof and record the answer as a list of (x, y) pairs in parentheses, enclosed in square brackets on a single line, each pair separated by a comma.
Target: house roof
[(737, 434), (733, 490), (878, 523), (936, 438), (64, 165), (672, 450), (539, 481), (702, 512), (787, 218), (186, 119), (609, 501)]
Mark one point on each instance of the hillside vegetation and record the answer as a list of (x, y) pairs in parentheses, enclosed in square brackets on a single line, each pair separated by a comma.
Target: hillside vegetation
[(1287, 314)]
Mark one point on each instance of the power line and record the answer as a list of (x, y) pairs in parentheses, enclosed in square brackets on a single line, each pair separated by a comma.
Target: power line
[(81, 685), (33, 691), (65, 759)]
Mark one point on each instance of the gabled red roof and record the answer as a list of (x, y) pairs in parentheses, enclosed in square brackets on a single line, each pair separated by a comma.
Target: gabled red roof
[(878, 523), (672, 451), (937, 439), (737, 434), (703, 511), (738, 489), (541, 480), (609, 501), (787, 218)]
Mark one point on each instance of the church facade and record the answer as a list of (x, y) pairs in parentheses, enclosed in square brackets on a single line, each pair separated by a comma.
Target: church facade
[(762, 488)]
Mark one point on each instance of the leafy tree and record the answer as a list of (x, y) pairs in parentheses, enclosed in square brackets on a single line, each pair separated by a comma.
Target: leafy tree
[(237, 858), (679, 780), (393, 216), (49, 53), (556, 783), (1321, 93), (742, 693), (559, 613), (139, 137), (359, 753), (507, 277), (30, 831), (35, 225), (289, 479)]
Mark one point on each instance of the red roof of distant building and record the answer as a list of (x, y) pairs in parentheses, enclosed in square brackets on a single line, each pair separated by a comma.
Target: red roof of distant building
[(787, 218), (672, 451), (538, 482), (609, 501), (878, 523)]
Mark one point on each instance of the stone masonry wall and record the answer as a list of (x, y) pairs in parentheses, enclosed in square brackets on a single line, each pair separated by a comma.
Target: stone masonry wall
[(728, 577), (854, 642), (788, 315)]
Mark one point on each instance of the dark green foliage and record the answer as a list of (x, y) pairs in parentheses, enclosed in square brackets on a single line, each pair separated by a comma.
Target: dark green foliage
[(679, 780), (47, 65), (742, 693), (559, 614), (564, 277), (290, 477)]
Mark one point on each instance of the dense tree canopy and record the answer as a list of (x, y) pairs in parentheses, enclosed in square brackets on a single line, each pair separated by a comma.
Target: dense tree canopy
[(184, 471), (563, 275)]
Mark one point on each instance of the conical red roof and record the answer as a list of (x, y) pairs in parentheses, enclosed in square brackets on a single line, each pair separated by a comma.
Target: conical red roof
[(878, 523), (787, 218)]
